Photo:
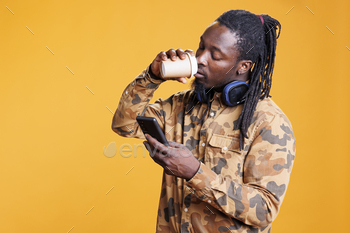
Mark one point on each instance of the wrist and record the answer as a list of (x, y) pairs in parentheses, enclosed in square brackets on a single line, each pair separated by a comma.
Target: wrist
[(195, 171), (152, 74)]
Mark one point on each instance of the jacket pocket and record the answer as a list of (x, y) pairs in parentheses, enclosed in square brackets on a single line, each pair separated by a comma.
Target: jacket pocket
[(224, 157), (226, 143)]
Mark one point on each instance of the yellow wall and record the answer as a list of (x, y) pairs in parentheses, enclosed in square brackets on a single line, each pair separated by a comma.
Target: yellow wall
[(53, 129)]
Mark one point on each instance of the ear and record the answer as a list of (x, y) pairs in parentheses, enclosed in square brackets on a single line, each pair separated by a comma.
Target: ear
[(244, 66)]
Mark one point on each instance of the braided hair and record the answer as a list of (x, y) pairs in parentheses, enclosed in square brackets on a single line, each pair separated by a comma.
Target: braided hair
[(257, 39)]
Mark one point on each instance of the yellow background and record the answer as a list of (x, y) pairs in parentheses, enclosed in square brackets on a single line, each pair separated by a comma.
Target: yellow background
[(54, 124)]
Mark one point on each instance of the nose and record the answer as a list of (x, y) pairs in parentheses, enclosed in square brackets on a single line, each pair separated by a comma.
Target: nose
[(201, 58)]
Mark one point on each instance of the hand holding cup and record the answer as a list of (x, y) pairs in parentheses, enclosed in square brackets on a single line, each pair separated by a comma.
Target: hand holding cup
[(175, 65)]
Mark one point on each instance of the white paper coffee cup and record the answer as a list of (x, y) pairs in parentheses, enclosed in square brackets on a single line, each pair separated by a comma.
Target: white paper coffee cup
[(179, 68)]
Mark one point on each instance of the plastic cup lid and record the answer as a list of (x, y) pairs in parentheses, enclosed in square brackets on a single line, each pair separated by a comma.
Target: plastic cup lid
[(194, 65)]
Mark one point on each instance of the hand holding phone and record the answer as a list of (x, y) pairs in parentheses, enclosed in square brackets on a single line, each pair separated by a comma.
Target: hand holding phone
[(149, 125)]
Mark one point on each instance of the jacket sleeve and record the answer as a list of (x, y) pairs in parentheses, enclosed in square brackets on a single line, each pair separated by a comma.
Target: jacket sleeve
[(266, 172), (135, 101)]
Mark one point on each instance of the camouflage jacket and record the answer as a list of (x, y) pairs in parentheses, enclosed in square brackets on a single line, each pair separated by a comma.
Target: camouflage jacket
[(234, 190)]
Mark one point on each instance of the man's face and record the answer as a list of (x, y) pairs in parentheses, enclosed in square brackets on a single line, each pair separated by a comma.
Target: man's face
[(217, 57)]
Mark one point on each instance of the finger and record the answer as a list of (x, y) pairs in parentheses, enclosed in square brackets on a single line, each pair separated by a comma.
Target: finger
[(146, 145), (156, 144), (182, 80), (190, 52), (158, 159), (171, 54), (155, 155), (175, 144), (162, 154), (181, 54), (161, 56), (149, 148)]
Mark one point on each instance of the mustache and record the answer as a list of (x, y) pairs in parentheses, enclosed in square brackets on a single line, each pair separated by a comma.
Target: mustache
[(202, 72)]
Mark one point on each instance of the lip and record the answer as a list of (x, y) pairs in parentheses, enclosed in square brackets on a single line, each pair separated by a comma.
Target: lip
[(199, 75)]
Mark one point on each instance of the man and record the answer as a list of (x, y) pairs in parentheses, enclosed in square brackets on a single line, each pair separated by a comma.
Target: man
[(227, 167)]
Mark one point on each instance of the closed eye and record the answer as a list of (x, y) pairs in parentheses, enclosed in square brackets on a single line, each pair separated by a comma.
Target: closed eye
[(215, 57)]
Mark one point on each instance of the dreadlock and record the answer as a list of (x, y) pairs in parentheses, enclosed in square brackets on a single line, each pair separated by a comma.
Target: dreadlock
[(257, 42)]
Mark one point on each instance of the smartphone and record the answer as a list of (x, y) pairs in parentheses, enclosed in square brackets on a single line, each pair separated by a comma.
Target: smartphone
[(149, 125)]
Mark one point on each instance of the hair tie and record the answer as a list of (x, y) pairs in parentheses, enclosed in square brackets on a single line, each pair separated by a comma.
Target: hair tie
[(262, 20)]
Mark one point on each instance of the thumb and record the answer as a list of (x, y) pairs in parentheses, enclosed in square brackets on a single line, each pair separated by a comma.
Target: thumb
[(182, 80)]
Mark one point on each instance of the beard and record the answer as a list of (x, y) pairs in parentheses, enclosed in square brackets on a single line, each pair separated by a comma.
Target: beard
[(205, 95), (203, 92)]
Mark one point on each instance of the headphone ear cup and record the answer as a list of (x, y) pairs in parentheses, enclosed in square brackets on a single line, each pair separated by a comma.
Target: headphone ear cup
[(233, 93), (202, 99)]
